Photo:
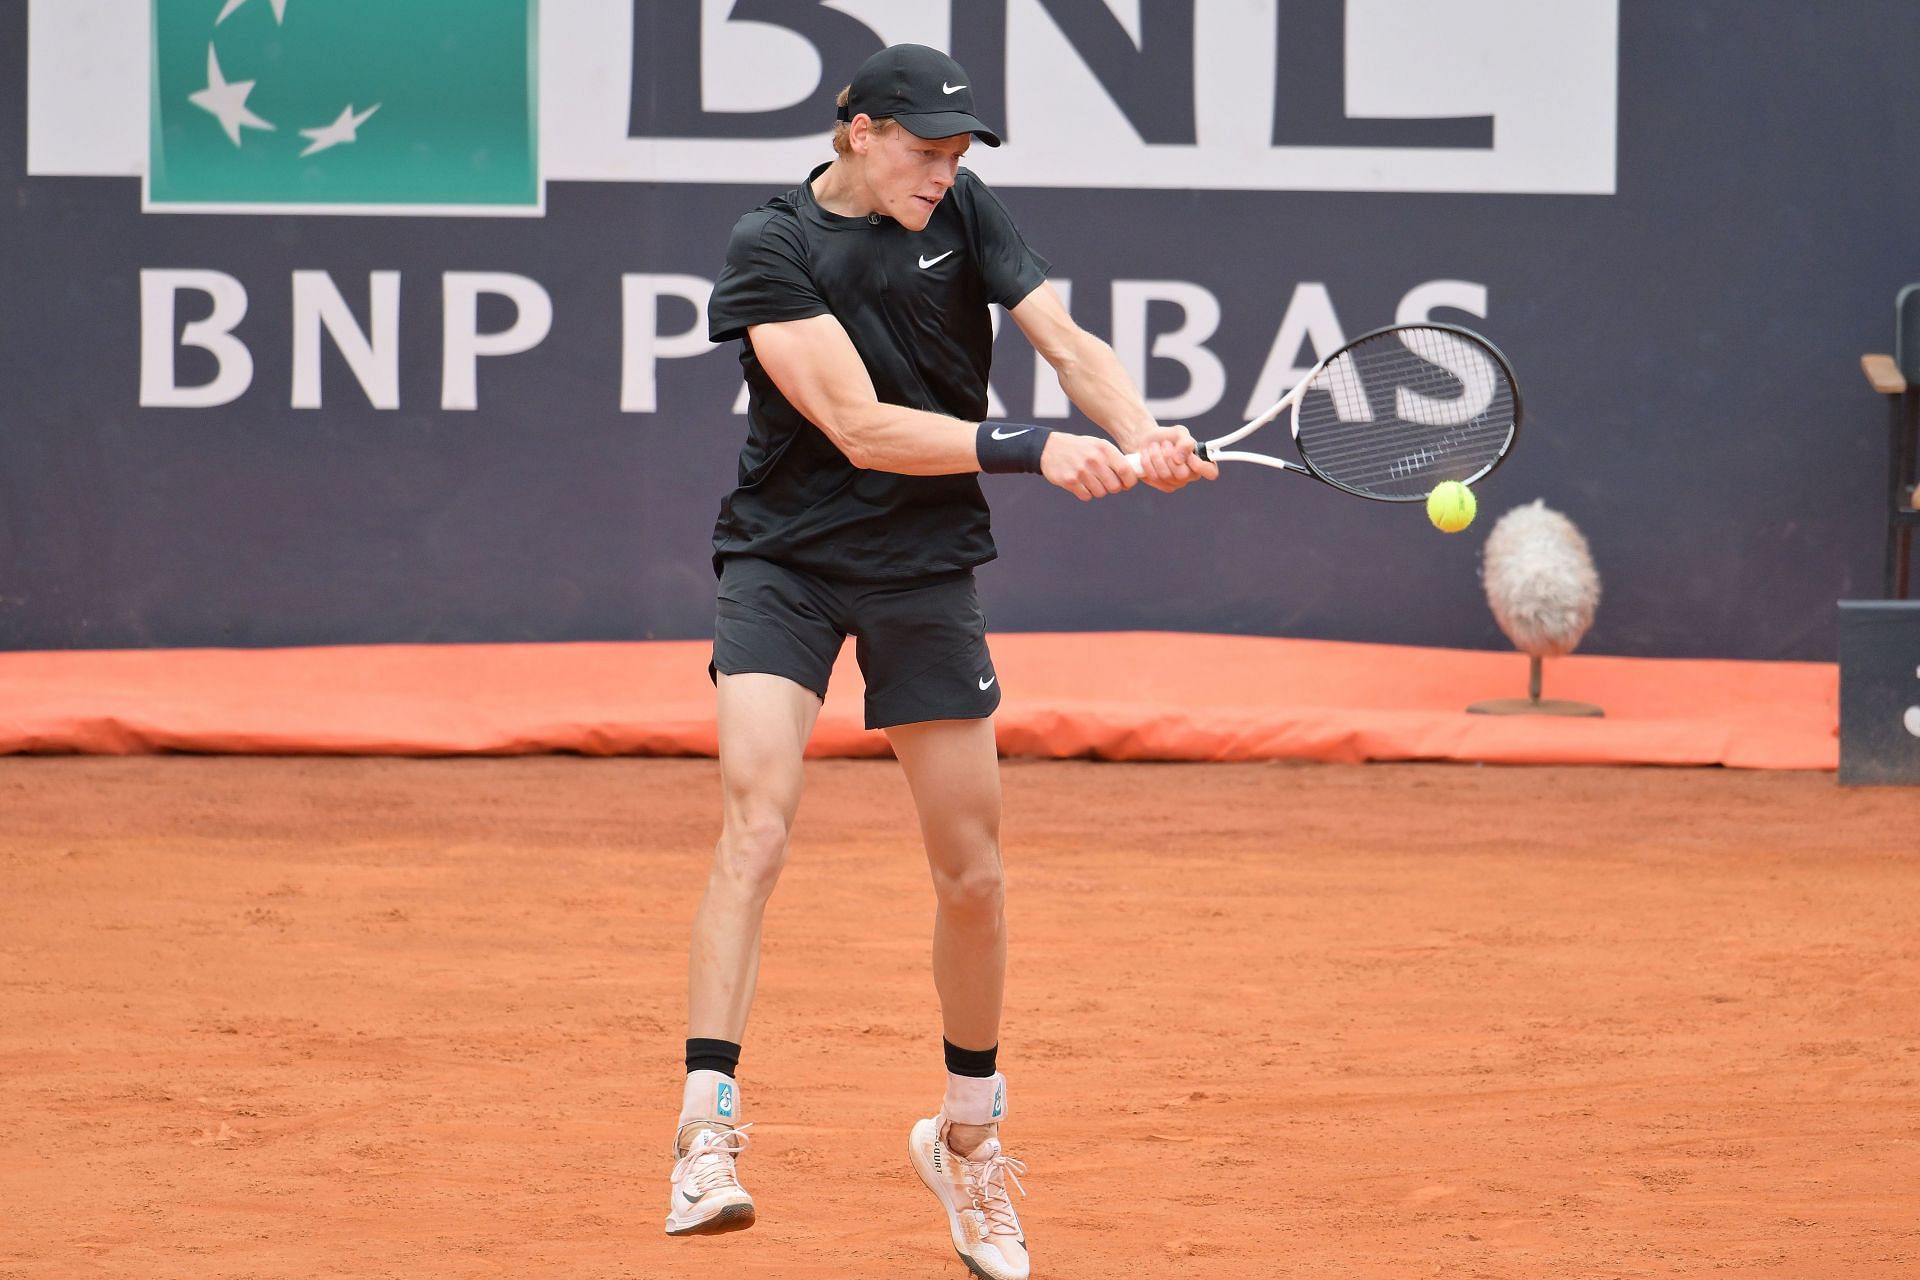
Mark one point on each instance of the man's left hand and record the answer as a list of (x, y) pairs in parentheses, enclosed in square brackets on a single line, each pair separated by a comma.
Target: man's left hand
[(1167, 454)]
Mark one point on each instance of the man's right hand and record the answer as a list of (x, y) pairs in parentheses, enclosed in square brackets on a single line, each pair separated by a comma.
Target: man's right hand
[(1085, 466)]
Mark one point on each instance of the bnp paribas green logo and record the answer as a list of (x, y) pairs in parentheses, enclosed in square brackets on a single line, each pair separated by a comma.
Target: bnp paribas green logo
[(390, 106)]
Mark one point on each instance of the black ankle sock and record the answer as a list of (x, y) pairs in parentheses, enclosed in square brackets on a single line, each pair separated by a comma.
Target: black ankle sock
[(977, 1063), (713, 1055)]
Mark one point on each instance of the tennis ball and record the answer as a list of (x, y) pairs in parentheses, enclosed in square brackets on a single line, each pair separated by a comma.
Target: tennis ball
[(1451, 506)]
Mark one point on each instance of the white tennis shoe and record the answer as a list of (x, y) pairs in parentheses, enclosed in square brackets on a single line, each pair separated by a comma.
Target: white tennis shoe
[(707, 1198), (973, 1190)]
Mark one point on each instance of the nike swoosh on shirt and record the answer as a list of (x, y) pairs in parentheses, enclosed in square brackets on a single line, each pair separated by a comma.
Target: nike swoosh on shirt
[(986, 682), (950, 88), (926, 262), (998, 434)]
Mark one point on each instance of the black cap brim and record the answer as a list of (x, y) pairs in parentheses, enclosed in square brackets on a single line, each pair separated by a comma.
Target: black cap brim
[(945, 124)]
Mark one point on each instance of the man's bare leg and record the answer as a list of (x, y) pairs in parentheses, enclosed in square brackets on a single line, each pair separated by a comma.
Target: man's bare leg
[(953, 770), (764, 721)]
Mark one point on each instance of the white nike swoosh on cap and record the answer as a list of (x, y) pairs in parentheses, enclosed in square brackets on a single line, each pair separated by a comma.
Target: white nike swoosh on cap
[(950, 88), (998, 434), (926, 262)]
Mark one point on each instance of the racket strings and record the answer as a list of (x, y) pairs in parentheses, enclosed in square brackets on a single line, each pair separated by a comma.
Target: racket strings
[(1395, 415)]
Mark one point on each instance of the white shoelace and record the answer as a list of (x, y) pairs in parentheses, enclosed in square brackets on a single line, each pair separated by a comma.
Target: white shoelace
[(987, 1184), (710, 1161)]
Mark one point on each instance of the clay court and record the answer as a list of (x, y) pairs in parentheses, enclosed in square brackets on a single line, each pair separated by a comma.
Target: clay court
[(423, 1018)]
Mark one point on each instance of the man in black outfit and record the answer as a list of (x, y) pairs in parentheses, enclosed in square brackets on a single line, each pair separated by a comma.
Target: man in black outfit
[(861, 297)]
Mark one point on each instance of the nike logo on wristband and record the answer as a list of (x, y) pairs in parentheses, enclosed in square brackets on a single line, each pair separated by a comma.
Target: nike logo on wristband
[(926, 262), (998, 434)]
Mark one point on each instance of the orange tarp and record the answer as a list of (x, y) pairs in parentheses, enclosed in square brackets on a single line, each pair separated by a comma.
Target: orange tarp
[(1115, 696)]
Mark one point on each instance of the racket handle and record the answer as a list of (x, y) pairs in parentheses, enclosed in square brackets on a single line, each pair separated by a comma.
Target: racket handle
[(1140, 468)]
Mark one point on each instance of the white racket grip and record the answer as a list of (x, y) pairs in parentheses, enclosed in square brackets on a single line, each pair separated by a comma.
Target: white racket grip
[(1140, 468)]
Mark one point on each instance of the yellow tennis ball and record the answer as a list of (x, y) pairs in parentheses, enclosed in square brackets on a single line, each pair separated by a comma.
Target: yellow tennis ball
[(1451, 506)]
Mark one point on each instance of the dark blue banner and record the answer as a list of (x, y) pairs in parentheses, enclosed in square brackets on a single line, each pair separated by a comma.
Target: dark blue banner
[(278, 424)]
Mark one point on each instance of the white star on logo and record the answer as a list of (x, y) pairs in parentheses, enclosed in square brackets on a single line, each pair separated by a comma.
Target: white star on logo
[(279, 11), (227, 102), (341, 130)]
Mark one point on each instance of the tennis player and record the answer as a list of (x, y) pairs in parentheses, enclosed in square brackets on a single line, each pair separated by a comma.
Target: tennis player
[(861, 297)]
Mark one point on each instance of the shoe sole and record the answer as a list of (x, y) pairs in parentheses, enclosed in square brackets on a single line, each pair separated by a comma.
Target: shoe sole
[(735, 1217), (972, 1265)]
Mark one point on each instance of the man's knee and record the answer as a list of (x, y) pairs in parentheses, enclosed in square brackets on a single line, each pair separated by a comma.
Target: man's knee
[(752, 851), (975, 890)]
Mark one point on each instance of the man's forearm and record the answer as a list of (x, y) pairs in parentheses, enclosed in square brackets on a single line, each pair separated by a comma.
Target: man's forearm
[(887, 437), (1094, 379)]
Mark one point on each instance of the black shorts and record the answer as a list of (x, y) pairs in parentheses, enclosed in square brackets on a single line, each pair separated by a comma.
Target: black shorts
[(922, 645)]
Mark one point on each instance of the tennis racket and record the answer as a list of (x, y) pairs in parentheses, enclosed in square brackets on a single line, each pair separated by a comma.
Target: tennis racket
[(1393, 413)]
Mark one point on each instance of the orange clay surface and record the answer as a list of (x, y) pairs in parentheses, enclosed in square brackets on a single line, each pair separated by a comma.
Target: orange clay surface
[(372, 1018)]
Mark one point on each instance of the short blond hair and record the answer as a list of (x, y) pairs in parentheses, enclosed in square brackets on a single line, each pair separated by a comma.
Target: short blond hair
[(841, 128)]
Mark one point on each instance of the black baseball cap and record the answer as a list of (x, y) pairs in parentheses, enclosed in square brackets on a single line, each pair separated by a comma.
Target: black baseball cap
[(922, 88)]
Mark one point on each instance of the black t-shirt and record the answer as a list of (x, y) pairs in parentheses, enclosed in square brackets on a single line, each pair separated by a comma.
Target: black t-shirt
[(915, 306)]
